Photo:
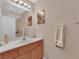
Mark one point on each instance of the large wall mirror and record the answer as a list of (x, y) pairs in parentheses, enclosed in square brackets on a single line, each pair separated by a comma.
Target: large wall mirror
[(0, 20), (16, 19)]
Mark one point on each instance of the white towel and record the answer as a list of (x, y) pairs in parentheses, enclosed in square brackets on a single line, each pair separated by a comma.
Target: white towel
[(60, 41)]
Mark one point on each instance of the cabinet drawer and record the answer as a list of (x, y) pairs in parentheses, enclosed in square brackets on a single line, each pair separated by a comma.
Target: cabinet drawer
[(24, 56), (10, 54), (27, 48)]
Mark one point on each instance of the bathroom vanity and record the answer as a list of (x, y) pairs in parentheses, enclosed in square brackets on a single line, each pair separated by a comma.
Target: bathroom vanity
[(29, 50)]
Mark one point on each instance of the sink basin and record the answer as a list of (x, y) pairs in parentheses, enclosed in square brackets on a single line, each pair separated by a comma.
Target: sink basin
[(26, 40), (17, 42)]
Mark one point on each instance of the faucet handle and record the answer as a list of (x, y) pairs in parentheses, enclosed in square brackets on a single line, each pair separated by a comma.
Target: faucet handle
[(24, 38)]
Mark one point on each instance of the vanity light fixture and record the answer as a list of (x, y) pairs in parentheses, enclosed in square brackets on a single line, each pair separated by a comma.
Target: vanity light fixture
[(22, 4)]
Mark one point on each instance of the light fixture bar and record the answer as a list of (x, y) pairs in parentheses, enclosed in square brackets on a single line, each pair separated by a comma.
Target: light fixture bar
[(20, 3)]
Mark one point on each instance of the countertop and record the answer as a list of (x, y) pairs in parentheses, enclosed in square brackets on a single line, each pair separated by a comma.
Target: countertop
[(17, 44)]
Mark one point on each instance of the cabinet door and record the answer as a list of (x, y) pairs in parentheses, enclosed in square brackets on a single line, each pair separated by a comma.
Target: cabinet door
[(10, 54), (0, 56), (24, 56), (37, 53)]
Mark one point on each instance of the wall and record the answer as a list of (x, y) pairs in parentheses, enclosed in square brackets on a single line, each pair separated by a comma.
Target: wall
[(59, 12)]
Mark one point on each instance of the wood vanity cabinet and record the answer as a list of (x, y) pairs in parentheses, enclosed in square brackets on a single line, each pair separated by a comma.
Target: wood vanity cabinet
[(30, 51)]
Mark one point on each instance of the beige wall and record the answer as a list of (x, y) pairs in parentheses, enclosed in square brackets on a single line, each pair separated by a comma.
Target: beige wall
[(60, 12)]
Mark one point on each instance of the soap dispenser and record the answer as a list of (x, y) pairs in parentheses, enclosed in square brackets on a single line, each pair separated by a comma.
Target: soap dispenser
[(5, 38)]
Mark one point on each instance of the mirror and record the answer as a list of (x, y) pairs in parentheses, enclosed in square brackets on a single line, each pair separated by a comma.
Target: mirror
[(0, 20), (17, 19)]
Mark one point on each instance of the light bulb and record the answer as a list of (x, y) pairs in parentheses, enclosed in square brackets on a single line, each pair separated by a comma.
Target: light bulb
[(20, 2), (16, 1), (25, 5), (29, 6)]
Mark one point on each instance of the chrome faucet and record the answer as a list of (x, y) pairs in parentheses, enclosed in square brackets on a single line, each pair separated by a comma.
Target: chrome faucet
[(24, 38)]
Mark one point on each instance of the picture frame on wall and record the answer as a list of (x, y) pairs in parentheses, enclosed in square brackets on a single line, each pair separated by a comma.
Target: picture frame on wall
[(41, 17), (30, 21)]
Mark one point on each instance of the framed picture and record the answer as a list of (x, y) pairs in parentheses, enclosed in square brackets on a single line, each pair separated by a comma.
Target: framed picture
[(41, 17), (30, 21)]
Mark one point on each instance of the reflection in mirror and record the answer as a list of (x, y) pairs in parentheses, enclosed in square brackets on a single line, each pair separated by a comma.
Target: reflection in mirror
[(15, 15), (0, 20)]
